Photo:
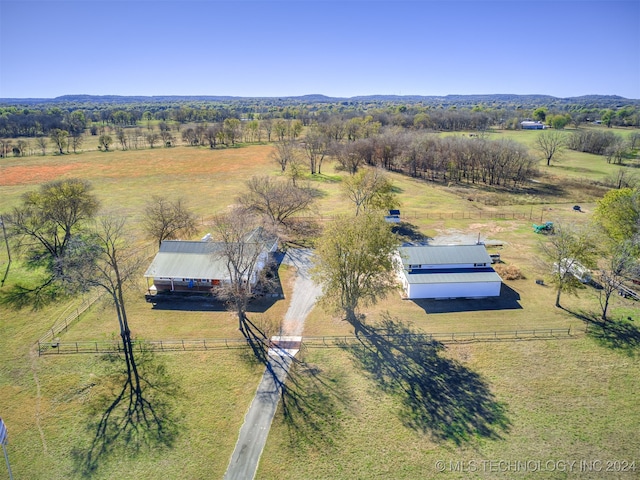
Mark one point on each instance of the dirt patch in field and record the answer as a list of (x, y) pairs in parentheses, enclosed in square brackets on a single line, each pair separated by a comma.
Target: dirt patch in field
[(482, 232), (20, 174), (493, 227), (185, 162)]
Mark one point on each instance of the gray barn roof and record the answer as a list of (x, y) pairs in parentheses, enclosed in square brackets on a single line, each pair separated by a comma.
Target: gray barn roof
[(181, 259), (198, 259), (444, 255)]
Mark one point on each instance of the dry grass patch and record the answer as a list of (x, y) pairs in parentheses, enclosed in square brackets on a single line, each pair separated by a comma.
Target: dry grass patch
[(508, 272)]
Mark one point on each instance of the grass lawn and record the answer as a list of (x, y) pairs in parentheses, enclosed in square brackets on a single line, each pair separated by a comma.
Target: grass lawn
[(564, 400), (570, 399)]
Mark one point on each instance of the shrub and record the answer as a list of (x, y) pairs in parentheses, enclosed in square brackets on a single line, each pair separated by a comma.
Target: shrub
[(508, 272)]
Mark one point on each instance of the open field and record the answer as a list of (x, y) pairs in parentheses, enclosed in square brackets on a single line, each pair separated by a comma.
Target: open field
[(546, 400)]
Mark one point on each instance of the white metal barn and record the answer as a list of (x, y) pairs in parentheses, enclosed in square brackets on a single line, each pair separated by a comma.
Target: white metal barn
[(448, 271)]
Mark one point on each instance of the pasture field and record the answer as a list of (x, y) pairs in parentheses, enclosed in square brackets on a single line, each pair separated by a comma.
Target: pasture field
[(570, 399)]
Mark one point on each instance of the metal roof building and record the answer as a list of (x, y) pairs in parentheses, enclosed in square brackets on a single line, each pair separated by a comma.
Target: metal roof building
[(186, 259), (448, 271), (200, 265)]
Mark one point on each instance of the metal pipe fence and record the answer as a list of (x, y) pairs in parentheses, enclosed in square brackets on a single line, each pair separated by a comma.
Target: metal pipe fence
[(54, 347)]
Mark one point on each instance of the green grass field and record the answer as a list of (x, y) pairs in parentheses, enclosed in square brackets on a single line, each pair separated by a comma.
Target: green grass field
[(515, 401)]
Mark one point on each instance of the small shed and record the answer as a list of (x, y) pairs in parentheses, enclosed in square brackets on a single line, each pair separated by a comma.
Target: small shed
[(447, 271), (393, 217)]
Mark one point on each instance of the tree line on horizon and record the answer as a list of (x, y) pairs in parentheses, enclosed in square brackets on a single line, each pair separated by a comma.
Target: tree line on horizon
[(39, 119)]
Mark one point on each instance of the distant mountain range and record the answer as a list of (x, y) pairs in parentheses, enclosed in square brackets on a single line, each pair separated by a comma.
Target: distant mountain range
[(596, 101)]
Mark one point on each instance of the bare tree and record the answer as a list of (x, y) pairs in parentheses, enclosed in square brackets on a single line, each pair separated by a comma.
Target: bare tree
[(277, 200), (165, 134), (166, 219), (121, 135), (634, 140), (21, 148), (212, 134), (285, 153), (349, 156), (189, 136), (152, 138), (616, 151), (315, 146), (76, 141), (42, 144), (551, 143), (267, 124), (240, 246)]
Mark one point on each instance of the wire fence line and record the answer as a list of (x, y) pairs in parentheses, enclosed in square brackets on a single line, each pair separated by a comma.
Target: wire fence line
[(54, 347), (64, 323), (532, 214)]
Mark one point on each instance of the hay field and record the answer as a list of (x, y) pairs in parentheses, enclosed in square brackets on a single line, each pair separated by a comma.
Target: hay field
[(561, 399)]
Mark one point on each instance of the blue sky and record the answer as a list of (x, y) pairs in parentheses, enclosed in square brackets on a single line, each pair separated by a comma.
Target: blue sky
[(352, 47)]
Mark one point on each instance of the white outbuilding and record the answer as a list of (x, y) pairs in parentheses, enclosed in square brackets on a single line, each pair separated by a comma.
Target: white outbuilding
[(447, 271)]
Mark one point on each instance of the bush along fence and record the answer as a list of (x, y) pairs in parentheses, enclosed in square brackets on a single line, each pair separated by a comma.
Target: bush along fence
[(54, 347)]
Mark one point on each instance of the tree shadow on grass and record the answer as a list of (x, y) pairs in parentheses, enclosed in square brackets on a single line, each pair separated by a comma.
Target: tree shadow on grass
[(125, 420), (409, 233), (312, 404), (617, 334), (311, 401), (507, 300), (439, 396)]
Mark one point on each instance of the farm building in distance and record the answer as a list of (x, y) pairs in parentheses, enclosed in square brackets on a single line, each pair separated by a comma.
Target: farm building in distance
[(448, 271), (199, 266), (531, 125)]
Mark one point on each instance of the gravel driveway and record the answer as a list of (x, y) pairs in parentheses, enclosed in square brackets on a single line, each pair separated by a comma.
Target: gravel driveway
[(257, 423), (305, 292)]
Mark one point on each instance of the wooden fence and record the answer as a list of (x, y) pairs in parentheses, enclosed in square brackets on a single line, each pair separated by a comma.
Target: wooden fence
[(53, 347)]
